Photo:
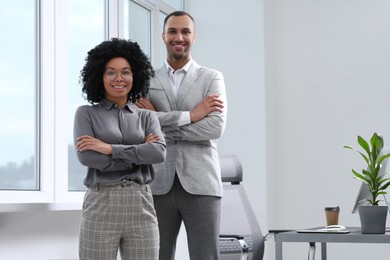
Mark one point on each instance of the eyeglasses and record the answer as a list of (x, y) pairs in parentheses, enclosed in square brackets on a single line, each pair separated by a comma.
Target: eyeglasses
[(112, 74)]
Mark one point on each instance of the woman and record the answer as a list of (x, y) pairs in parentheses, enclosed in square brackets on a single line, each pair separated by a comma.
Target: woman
[(118, 142)]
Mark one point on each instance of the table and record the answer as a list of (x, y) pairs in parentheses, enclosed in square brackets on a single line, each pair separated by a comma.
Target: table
[(355, 236)]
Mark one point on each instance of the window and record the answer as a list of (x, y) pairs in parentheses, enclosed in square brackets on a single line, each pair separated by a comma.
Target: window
[(176, 4), (143, 23), (86, 28), (47, 45), (161, 57), (19, 96), (137, 25)]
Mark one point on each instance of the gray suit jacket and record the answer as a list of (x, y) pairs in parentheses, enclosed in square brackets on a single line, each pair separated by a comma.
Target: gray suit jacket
[(191, 149)]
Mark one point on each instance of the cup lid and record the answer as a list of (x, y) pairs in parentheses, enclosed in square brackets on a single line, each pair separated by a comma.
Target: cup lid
[(332, 208)]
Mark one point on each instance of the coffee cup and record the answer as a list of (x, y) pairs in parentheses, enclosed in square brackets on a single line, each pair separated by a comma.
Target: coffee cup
[(332, 215)]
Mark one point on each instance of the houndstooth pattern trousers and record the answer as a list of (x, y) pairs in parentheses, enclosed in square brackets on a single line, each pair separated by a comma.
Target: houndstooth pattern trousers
[(119, 217)]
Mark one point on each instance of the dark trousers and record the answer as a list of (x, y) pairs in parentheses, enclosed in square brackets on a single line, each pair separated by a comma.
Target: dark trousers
[(201, 217)]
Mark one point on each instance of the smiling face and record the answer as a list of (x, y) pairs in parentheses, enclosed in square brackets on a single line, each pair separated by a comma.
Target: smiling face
[(117, 80), (178, 36)]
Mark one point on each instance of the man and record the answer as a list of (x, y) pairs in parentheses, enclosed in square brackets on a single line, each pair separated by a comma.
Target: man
[(190, 101)]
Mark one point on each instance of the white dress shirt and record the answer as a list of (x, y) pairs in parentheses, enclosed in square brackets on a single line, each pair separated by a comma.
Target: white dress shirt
[(176, 77)]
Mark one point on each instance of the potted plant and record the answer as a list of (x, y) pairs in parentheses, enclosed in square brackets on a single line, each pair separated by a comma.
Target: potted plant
[(373, 217)]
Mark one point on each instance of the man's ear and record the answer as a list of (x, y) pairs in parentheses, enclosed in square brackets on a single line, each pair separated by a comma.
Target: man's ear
[(163, 36)]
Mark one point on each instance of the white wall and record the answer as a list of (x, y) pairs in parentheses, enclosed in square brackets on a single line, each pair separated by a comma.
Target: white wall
[(327, 78), (39, 235)]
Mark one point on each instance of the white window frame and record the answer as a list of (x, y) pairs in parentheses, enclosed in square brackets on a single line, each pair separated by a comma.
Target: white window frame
[(53, 149), (46, 111)]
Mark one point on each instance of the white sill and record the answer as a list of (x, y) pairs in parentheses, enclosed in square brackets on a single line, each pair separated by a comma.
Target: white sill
[(28, 207)]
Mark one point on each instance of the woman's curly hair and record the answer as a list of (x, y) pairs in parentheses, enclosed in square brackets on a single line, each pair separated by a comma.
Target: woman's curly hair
[(91, 76)]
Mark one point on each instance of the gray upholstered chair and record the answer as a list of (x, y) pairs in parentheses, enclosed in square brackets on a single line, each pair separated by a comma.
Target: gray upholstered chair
[(241, 237)]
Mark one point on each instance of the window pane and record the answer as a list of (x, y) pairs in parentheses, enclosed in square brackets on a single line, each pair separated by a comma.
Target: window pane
[(137, 25), (18, 92), (177, 4), (162, 51), (86, 27)]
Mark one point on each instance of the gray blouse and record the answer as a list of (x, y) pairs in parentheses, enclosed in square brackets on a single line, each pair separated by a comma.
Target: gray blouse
[(125, 129)]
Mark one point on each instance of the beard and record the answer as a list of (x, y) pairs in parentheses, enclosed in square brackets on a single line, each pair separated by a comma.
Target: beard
[(177, 56)]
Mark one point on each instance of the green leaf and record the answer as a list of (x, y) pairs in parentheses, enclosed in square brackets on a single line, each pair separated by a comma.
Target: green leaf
[(363, 143), (385, 186), (385, 156), (377, 182), (362, 154), (376, 145), (361, 177), (369, 174)]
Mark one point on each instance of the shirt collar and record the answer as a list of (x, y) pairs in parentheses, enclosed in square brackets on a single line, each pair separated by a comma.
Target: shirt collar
[(185, 67), (109, 104)]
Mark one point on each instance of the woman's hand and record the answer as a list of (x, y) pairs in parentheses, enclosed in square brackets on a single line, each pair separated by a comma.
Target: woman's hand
[(151, 138), (87, 142)]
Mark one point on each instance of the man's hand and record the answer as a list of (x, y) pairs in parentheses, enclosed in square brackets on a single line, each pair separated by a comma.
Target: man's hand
[(145, 104), (151, 138), (208, 105), (87, 142)]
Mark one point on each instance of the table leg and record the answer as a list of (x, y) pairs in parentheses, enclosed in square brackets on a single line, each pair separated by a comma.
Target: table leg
[(323, 251), (312, 251), (278, 250)]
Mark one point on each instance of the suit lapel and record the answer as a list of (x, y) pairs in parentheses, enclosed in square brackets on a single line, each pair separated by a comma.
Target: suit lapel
[(162, 75), (187, 83)]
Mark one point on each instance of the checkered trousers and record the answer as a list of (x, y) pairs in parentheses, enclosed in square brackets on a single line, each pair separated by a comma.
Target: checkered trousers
[(119, 217)]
